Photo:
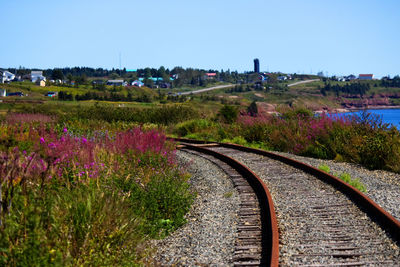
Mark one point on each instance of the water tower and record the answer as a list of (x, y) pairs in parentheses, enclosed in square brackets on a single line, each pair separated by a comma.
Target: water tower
[(256, 65)]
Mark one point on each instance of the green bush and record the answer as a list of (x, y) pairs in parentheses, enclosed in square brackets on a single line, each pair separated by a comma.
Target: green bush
[(193, 126), (228, 113), (376, 150)]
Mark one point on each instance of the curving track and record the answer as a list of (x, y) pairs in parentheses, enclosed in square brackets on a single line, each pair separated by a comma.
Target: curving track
[(257, 242), (319, 224)]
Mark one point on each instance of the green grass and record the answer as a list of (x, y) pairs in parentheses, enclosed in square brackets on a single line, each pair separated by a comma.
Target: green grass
[(345, 177)]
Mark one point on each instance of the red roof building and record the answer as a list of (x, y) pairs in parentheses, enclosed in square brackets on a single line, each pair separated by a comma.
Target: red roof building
[(210, 75), (365, 76)]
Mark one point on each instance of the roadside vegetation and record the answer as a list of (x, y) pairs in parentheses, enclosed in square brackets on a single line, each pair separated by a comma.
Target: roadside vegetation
[(359, 139), (91, 196)]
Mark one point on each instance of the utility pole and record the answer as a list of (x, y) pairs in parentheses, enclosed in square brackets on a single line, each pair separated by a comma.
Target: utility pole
[(120, 61)]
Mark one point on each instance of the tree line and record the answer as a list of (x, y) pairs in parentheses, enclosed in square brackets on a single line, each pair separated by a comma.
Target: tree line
[(352, 88), (107, 96), (395, 82)]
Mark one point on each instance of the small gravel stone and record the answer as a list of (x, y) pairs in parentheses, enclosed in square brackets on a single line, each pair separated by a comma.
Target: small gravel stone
[(208, 238)]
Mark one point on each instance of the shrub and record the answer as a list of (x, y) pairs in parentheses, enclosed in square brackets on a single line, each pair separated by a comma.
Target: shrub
[(193, 126), (228, 113)]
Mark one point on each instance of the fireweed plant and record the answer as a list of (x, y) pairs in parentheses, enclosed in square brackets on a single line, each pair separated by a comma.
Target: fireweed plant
[(85, 200), (362, 139)]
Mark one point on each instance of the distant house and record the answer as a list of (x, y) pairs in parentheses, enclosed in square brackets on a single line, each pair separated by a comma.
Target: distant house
[(350, 77), (3, 92), (41, 83), (165, 85), (365, 76), (262, 78), (98, 82), (51, 94), (137, 83), (6, 76), (154, 79), (117, 82), (15, 94), (210, 75), (37, 75), (282, 78)]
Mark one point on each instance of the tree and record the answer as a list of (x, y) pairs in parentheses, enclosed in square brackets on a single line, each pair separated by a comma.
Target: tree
[(161, 72), (147, 73), (149, 83), (252, 109), (229, 113), (69, 78), (57, 74)]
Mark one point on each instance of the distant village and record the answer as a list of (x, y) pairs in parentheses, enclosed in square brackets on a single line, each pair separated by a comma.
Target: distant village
[(37, 78)]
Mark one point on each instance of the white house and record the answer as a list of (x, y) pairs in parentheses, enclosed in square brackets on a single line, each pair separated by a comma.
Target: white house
[(37, 75), (3, 92), (6, 76), (117, 82), (137, 83)]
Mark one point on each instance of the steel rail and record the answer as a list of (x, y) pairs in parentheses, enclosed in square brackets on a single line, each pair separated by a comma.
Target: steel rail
[(269, 225), (374, 211)]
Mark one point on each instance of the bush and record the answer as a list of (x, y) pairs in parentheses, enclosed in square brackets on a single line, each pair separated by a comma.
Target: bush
[(229, 114), (376, 150), (193, 126)]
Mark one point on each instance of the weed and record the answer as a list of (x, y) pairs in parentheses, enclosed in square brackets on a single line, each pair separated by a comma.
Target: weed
[(324, 168), (345, 177), (228, 194)]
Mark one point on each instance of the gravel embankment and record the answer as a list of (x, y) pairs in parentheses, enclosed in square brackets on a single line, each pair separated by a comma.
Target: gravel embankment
[(383, 187), (209, 236), (319, 226)]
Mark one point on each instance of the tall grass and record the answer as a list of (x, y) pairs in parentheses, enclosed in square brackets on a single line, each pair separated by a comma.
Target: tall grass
[(164, 115)]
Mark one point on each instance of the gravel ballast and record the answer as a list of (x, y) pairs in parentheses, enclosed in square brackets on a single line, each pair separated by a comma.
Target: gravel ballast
[(383, 187), (319, 226), (208, 238)]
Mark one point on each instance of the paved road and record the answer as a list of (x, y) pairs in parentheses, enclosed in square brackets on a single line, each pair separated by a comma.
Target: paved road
[(301, 82), (231, 85), (206, 89)]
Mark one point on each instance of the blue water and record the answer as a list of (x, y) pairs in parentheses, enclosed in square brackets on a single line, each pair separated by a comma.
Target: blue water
[(391, 116)]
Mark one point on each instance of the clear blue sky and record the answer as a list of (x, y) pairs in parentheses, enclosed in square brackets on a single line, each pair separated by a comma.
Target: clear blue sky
[(303, 36)]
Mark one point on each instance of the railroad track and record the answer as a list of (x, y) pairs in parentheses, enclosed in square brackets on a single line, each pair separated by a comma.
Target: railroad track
[(321, 220), (257, 240)]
